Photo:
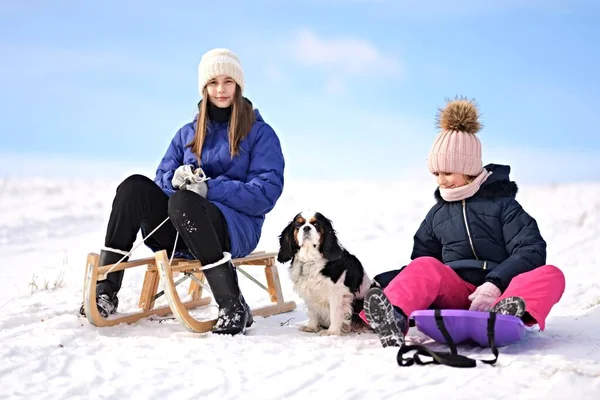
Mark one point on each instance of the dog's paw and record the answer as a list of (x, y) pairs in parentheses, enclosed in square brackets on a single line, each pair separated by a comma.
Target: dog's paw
[(309, 329), (329, 332)]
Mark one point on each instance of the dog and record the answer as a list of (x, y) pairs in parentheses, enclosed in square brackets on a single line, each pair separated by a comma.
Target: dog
[(331, 281)]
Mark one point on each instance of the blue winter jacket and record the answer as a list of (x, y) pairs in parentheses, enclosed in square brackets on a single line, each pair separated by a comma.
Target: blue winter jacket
[(244, 188), (488, 237)]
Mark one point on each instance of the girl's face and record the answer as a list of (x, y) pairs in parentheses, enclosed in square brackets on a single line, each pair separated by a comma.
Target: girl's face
[(221, 91), (450, 181)]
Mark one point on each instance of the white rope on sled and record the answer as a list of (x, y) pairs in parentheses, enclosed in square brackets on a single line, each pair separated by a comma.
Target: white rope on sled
[(187, 176), (140, 243), (204, 267)]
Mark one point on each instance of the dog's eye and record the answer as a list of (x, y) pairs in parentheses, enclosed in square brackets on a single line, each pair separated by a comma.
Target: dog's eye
[(297, 224), (316, 224)]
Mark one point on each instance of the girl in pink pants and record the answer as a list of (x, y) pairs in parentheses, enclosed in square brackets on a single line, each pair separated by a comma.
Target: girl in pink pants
[(476, 249)]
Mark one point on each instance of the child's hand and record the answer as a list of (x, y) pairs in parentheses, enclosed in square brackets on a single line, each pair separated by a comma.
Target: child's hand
[(484, 297)]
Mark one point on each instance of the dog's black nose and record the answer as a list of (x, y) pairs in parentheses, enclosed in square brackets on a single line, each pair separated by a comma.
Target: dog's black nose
[(306, 228)]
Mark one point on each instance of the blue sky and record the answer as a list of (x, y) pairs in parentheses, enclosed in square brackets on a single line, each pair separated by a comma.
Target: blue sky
[(351, 87)]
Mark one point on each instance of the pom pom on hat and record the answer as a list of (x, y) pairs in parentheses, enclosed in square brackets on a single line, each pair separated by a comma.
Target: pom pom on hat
[(460, 114), (217, 62), (456, 148)]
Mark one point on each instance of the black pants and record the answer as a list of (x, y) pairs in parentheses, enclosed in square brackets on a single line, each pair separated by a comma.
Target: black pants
[(140, 203)]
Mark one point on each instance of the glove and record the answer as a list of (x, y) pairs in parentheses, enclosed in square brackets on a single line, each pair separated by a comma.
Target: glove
[(182, 175), (186, 178), (484, 297), (199, 187)]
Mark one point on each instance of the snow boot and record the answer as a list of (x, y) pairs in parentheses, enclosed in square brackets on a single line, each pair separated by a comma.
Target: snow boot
[(234, 314), (106, 290), (388, 321), (513, 305)]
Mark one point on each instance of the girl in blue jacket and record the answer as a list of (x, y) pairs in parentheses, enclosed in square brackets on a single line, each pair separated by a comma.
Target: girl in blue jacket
[(220, 176), (476, 249)]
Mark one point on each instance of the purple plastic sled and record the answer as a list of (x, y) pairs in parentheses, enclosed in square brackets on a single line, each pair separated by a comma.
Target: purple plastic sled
[(464, 325)]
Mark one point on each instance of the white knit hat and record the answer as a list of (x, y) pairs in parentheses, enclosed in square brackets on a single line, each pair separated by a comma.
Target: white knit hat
[(217, 62)]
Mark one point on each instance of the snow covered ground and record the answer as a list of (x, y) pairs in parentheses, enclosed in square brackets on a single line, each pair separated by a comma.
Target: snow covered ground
[(47, 227)]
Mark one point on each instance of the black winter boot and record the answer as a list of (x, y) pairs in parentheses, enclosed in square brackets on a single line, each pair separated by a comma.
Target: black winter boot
[(248, 309), (234, 314), (388, 321), (106, 290), (510, 306)]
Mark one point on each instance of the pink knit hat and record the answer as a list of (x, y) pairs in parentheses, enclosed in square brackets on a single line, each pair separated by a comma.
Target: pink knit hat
[(456, 149)]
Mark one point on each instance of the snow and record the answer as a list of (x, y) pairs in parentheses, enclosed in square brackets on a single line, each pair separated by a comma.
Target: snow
[(49, 225)]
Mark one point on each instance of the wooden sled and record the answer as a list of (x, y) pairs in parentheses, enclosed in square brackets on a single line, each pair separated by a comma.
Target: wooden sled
[(166, 271)]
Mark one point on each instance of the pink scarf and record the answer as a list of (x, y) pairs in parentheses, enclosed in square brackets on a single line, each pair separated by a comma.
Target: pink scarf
[(464, 192)]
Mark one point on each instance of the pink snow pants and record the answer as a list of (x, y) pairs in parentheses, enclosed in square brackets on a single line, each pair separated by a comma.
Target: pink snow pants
[(427, 282)]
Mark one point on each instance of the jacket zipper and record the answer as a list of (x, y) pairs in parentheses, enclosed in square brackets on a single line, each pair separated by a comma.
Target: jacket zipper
[(464, 207)]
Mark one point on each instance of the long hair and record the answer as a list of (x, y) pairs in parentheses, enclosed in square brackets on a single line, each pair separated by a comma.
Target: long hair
[(242, 119)]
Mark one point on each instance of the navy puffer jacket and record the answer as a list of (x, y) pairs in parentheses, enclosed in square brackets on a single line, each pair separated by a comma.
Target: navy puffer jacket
[(488, 237)]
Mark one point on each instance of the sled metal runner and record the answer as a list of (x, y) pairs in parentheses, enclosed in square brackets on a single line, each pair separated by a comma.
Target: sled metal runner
[(160, 268)]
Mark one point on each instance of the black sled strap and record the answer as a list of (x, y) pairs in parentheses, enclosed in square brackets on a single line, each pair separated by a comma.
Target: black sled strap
[(452, 359)]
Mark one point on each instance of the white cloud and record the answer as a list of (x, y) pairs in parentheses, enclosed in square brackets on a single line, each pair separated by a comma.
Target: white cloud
[(347, 55), (341, 58)]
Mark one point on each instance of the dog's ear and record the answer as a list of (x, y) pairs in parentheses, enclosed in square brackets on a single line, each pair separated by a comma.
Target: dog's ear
[(287, 244), (330, 247)]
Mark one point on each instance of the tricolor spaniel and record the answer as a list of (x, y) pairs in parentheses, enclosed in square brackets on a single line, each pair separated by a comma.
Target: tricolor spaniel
[(330, 280)]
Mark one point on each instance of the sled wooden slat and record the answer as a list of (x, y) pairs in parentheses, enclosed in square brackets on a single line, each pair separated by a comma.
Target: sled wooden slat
[(102, 271), (166, 272), (178, 265), (195, 289), (149, 288), (274, 286), (147, 305), (177, 306), (273, 283), (259, 258)]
